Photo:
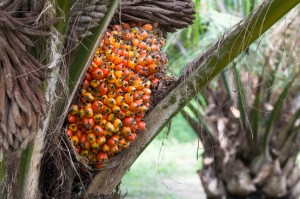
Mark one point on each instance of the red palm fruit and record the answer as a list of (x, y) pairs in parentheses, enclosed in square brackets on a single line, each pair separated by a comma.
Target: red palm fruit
[(114, 149), (78, 149), (105, 148), (96, 105), (126, 144), (104, 99), (88, 76), (111, 87), (89, 97), (119, 100), (105, 71), (69, 133), (89, 112), (101, 156), (110, 65), (103, 89), (80, 113), (83, 129), (125, 86), (111, 117), (135, 42), (121, 114), (128, 98), (79, 123), (109, 127), (95, 145), (146, 98), (126, 131), (117, 123), (124, 107), (98, 130), (126, 74), (101, 140), (128, 113), (97, 74), (118, 59), (118, 74), (98, 60), (133, 128), (107, 110), (91, 138), (90, 69), (82, 139), (94, 83), (119, 83), (121, 141), (143, 109), (131, 137), (154, 82), (111, 102), (125, 25), (125, 62), (86, 145), (98, 165), (136, 95), (119, 92), (141, 125), (79, 133), (88, 123), (73, 127), (116, 109), (131, 64), (133, 106), (85, 84), (75, 140), (74, 109), (111, 94), (84, 153), (110, 142), (119, 67), (131, 89), (111, 78), (86, 105), (149, 59), (138, 69), (147, 91), (97, 117), (71, 118), (103, 123)]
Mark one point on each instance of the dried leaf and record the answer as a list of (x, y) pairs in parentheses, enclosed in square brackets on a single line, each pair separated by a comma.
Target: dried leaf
[(2, 93), (22, 102), (11, 122), (18, 135), (30, 95), (16, 114)]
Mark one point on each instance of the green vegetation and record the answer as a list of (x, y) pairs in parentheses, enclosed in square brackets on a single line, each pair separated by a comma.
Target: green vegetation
[(167, 166)]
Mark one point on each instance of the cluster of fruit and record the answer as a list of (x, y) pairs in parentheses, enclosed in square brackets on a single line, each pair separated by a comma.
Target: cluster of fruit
[(116, 92)]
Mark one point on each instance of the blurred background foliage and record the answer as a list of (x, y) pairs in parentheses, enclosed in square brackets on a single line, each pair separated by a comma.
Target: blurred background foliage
[(167, 168)]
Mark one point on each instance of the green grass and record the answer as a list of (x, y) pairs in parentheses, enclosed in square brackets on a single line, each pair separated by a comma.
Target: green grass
[(166, 167)]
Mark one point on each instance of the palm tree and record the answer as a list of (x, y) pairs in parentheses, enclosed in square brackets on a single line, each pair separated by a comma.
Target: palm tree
[(248, 122), (48, 166)]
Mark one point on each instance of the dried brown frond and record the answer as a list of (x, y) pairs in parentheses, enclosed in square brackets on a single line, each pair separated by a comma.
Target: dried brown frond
[(22, 100), (170, 14)]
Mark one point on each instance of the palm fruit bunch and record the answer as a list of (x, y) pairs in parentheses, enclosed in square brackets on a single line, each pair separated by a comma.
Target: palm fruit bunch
[(116, 92)]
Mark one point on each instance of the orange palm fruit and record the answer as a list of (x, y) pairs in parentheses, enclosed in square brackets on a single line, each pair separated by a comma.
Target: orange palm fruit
[(98, 130), (91, 138), (116, 92)]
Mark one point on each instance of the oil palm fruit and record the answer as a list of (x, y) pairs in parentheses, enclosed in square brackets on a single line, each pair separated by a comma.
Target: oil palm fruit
[(116, 92)]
